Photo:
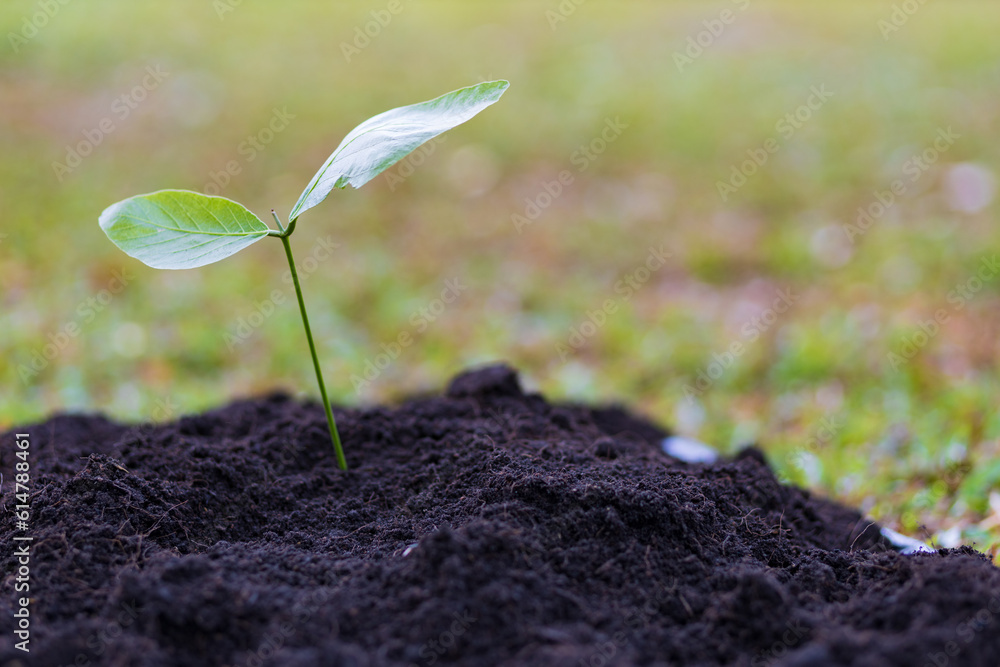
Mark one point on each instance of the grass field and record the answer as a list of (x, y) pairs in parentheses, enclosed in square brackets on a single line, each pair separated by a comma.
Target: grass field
[(663, 210)]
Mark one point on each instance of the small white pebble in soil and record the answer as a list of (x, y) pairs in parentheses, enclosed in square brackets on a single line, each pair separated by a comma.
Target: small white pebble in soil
[(906, 545), (688, 450)]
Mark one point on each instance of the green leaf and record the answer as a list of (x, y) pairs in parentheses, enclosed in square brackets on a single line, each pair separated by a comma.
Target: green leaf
[(178, 229), (383, 140)]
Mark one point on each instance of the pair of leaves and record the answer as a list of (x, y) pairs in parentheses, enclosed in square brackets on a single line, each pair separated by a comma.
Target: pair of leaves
[(179, 229)]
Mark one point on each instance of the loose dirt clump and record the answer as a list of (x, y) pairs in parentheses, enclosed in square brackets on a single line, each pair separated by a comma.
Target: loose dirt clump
[(483, 527)]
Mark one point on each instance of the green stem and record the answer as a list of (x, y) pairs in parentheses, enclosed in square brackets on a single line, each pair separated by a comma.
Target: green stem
[(285, 233), (278, 220)]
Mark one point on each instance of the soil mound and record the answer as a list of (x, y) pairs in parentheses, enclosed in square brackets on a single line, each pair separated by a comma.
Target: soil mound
[(483, 527)]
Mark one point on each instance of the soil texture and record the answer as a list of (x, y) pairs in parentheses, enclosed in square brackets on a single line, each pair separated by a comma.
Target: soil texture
[(485, 526)]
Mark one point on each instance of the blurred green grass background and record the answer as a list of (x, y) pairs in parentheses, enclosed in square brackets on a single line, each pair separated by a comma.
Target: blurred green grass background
[(915, 444)]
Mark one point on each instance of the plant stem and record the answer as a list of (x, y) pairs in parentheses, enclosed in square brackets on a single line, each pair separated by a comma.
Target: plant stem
[(341, 461)]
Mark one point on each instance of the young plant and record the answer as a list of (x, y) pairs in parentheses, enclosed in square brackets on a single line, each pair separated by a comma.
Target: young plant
[(179, 229)]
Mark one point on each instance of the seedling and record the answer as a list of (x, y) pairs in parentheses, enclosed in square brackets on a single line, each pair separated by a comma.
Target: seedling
[(179, 229)]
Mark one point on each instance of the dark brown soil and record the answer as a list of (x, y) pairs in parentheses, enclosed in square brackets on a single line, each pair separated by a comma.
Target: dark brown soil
[(484, 527)]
